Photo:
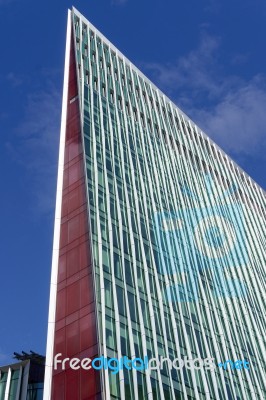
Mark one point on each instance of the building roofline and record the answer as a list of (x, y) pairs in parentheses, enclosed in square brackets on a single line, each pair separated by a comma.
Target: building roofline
[(186, 117)]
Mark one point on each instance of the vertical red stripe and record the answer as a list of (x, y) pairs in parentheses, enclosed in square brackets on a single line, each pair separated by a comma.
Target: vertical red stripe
[(75, 328)]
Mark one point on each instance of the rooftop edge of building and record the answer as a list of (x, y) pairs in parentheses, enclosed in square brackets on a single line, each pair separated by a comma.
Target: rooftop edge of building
[(163, 95)]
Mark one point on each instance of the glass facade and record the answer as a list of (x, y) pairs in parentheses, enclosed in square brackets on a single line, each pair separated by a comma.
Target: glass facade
[(177, 238), (22, 381)]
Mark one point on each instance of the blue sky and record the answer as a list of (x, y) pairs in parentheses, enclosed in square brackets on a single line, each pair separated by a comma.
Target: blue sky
[(208, 56)]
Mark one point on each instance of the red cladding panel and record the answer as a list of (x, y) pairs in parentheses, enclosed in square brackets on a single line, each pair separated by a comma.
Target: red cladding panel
[(72, 384), (72, 339), (75, 331), (60, 341), (90, 385), (59, 387)]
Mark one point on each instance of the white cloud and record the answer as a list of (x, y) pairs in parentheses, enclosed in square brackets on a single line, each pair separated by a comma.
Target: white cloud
[(238, 121), (230, 109), (190, 72)]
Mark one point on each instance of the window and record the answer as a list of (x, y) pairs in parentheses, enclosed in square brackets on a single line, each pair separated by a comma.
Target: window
[(114, 385), (87, 78), (111, 95), (144, 97), (132, 306), (105, 251), (120, 300), (110, 333), (129, 273), (127, 108), (115, 236), (171, 118), (108, 294), (124, 337)]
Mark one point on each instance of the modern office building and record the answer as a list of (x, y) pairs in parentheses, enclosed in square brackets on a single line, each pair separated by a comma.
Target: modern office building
[(23, 380), (159, 244)]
